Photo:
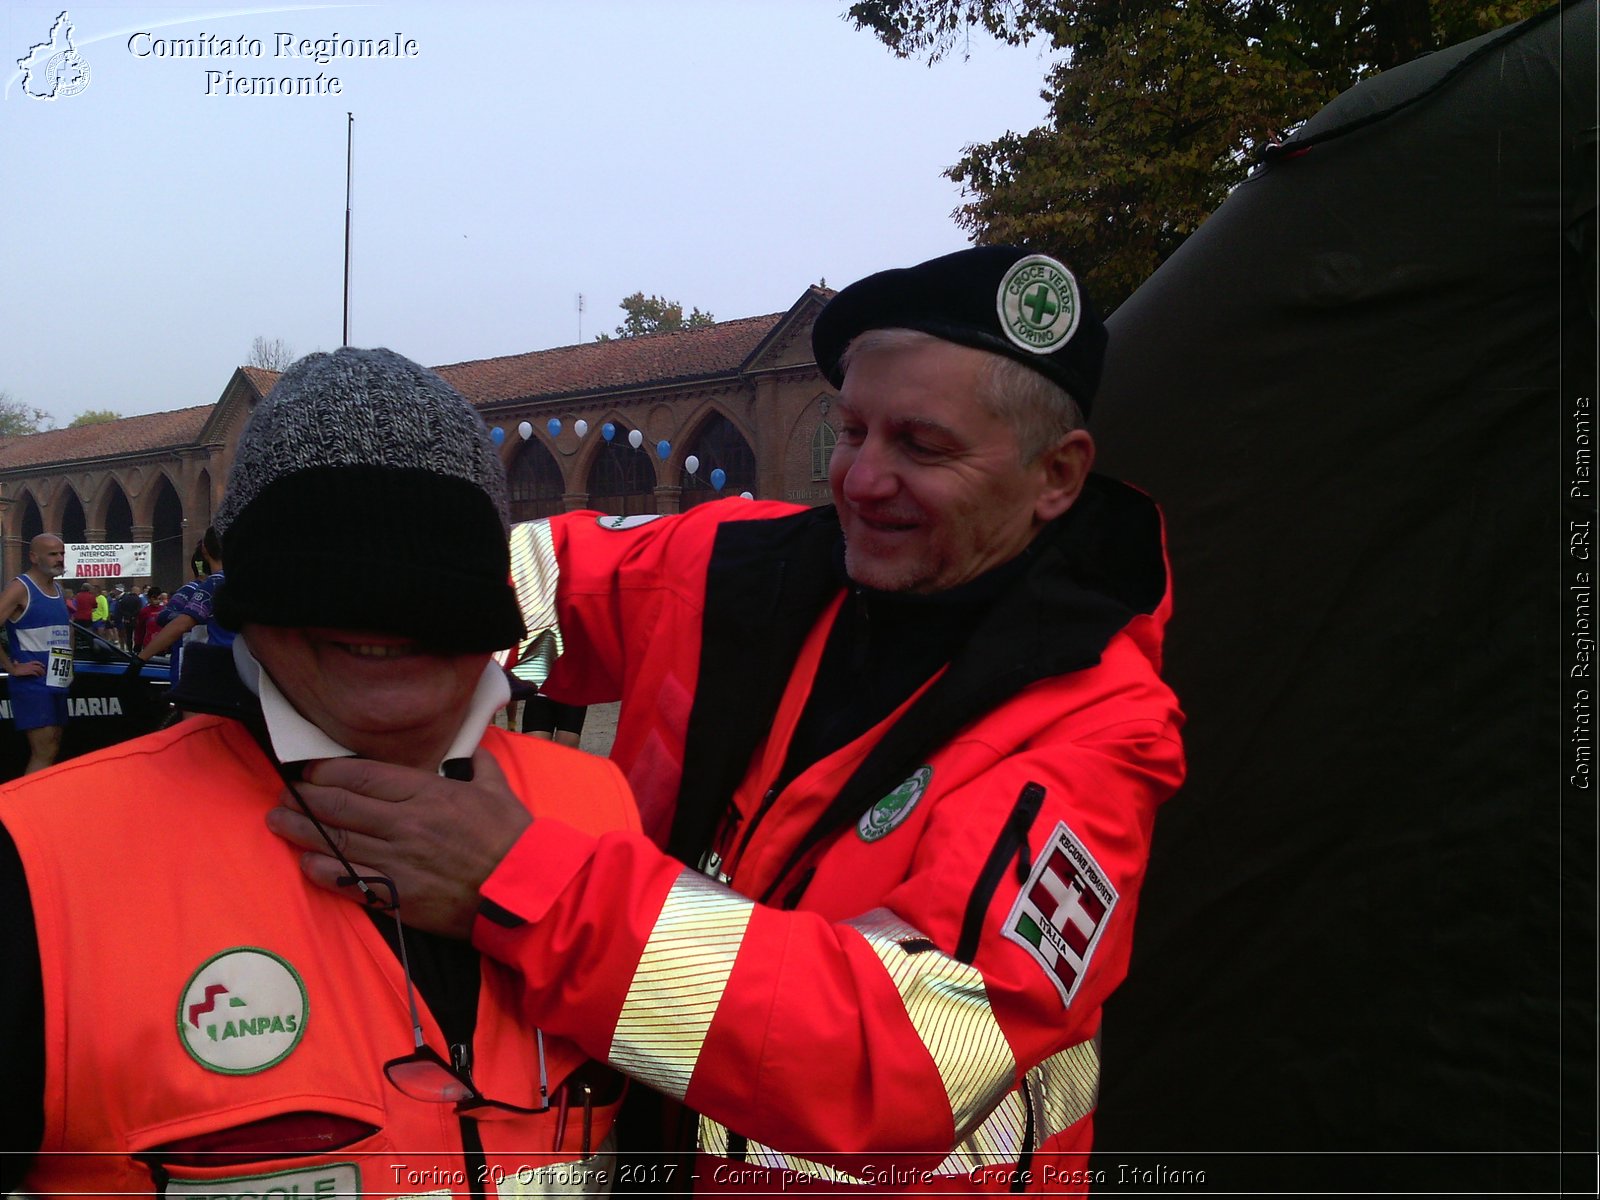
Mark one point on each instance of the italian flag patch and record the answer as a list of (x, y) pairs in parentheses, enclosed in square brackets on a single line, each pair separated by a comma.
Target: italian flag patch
[(1062, 910)]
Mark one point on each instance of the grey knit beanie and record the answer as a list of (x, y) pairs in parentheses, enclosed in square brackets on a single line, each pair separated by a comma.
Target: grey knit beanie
[(361, 468)]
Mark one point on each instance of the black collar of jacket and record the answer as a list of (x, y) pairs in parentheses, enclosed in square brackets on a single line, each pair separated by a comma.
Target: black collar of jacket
[(1094, 570)]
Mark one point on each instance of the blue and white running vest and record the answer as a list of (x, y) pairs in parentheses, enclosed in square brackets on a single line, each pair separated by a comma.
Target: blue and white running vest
[(41, 627)]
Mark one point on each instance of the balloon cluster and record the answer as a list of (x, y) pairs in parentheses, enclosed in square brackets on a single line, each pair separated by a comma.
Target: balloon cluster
[(718, 477), (553, 425)]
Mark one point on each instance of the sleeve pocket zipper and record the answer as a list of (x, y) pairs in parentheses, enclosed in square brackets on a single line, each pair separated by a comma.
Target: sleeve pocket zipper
[(1012, 843)]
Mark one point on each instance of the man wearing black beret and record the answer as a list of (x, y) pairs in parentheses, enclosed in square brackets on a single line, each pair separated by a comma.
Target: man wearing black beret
[(897, 759)]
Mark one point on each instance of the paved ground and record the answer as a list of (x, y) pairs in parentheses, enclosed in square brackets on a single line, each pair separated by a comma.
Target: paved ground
[(599, 727)]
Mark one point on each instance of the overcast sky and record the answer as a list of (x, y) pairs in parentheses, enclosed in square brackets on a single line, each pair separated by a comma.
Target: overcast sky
[(723, 153)]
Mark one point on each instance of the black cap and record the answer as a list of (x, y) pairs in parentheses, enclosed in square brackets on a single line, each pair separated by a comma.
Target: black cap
[(1003, 299)]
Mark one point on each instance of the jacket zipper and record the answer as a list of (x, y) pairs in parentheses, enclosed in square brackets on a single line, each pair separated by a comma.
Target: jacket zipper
[(713, 860), (740, 842), (1012, 843), (471, 1139), (1025, 1159)]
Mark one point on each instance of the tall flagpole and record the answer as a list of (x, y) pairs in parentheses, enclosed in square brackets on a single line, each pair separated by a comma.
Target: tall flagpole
[(349, 148)]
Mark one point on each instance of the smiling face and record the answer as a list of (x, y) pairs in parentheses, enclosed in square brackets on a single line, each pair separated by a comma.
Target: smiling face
[(929, 483), (379, 695)]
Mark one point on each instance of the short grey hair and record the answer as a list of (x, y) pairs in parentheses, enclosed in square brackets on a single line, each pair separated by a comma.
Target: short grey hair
[(1040, 410)]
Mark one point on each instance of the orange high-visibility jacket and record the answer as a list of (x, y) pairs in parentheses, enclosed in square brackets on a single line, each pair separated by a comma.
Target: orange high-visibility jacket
[(216, 1025)]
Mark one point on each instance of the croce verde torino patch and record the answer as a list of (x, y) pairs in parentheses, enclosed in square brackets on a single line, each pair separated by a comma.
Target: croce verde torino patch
[(887, 813), (1038, 304), (243, 1011)]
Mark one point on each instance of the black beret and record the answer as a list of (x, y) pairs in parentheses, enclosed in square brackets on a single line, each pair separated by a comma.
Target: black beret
[(1003, 299)]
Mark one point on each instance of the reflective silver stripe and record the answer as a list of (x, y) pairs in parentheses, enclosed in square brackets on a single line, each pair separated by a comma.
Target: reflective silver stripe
[(1066, 1086), (714, 1141), (949, 1008), (1062, 1090), (535, 575), (679, 983), (999, 1141)]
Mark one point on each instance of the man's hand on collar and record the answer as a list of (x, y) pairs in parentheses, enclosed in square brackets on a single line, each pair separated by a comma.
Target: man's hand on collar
[(437, 838)]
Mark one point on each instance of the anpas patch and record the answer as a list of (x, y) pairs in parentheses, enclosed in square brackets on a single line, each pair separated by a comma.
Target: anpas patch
[(887, 813), (243, 1011), (331, 1179), (1038, 304), (1062, 910)]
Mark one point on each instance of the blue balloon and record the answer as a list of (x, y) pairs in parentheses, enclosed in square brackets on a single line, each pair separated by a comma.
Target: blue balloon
[(663, 448), (608, 431), (718, 478), (554, 426), (497, 435)]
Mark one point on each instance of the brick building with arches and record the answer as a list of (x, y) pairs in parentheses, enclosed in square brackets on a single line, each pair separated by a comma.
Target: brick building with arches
[(153, 478), (743, 397)]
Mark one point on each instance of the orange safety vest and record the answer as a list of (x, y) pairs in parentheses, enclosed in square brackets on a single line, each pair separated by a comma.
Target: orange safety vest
[(203, 1001)]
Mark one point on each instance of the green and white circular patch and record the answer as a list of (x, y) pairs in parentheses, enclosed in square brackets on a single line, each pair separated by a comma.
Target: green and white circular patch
[(887, 813), (243, 1011), (1038, 304)]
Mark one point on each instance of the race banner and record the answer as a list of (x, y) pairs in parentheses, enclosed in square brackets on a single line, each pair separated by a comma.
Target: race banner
[(107, 560)]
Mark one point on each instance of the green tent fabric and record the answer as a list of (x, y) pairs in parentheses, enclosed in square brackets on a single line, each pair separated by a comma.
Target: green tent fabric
[(1363, 392)]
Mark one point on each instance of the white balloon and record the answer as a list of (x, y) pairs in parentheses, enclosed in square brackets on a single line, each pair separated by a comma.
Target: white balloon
[(635, 438), (746, 496), (580, 427), (525, 431), (691, 464)]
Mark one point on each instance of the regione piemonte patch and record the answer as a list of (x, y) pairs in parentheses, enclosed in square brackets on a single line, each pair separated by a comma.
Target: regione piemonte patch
[(243, 1011), (1062, 910)]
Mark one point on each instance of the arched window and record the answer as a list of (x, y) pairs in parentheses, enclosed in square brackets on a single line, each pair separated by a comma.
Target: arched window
[(719, 445), (73, 524), (822, 443), (168, 554), (32, 520), (622, 481), (32, 526), (535, 483), (119, 517)]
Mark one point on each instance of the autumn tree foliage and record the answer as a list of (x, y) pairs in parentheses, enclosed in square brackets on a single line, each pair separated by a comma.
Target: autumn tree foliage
[(1157, 108), (18, 419), (653, 314)]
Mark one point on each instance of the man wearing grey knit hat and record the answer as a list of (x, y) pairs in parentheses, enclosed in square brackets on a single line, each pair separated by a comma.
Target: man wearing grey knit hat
[(394, 456), (307, 1034)]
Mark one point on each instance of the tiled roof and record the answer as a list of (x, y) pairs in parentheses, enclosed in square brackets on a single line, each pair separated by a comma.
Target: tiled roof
[(130, 435), (602, 366), (261, 379), (588, 367)]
